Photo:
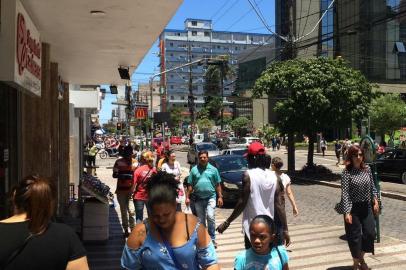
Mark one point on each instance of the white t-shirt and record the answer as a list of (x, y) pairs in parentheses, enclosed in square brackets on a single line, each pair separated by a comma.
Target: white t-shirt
[(175, 170), (261, 198), (285, 180)]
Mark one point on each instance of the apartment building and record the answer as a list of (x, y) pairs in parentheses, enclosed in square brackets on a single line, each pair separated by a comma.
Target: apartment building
[(197, 41)]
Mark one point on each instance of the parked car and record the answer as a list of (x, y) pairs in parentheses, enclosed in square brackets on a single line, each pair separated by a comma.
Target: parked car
[(176, 140), (392, 164), (231, 169), (245, 142), (157, 140), (194, 149), (235, 151)]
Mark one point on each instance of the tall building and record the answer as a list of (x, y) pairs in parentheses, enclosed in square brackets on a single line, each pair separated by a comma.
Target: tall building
[(198, 40), (369, 34)]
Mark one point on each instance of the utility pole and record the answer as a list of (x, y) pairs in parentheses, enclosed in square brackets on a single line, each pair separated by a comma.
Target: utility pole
[(290, 53), (222, 94), (191, 98)]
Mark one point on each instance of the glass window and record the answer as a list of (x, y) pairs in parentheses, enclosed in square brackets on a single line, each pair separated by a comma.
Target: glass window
[(207, 34), (194, 33), (194, 23), (171, 44), (172, 98)]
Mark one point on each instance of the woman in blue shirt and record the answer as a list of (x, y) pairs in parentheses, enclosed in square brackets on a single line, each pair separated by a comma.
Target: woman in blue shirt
[(168, 239), (262, 255)]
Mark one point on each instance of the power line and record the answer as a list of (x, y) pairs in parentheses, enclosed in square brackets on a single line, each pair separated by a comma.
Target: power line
[(240, 18), (225, 12), (264, 22), (218, 11), (318, 22)]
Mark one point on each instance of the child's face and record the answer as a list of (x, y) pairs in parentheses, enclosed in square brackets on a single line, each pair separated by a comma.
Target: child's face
[(261, 238)]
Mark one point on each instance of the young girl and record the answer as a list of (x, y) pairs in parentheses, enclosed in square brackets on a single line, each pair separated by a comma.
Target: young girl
[(263, 254), (277, 164)]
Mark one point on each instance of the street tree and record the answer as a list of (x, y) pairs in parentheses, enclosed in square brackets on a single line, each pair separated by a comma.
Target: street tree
[(204, 124), (318, 94), (388, 114), (212, 85), (176, 118), (240, 125)]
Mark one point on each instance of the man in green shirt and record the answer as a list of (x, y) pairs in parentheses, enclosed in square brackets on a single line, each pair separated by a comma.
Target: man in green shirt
[(203, 189)]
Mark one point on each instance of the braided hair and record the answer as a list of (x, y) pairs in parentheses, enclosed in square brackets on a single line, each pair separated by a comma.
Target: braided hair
[(162, 188)]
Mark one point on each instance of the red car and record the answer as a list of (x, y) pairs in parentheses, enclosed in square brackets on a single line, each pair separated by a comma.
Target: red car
[(176, 140)]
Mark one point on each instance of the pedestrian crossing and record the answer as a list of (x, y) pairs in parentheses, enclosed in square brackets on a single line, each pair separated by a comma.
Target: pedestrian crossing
[(315, 247)]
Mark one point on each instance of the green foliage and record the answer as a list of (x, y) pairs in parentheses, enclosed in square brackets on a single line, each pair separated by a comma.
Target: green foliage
[(204, 124), (176, 116), (203, 113), (321, 93), (388, 114), (212, 81), (240, 125), (267, 133)]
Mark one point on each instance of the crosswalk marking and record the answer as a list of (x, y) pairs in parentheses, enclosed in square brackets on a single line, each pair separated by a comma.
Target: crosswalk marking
[(314, 247)]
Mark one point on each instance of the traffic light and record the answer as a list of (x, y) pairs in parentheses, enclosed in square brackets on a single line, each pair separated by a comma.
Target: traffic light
[(118, 126)]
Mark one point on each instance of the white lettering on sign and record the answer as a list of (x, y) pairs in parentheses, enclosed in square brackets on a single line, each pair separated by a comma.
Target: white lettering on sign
[(27, 49)]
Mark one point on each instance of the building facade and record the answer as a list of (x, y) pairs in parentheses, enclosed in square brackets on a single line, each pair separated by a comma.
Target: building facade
[(369, 34), (197, 41)]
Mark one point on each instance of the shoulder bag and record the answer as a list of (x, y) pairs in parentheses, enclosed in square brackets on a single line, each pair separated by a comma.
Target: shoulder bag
[(17, 251)]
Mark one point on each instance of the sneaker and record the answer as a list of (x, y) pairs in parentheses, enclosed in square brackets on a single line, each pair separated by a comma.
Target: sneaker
[(214, 243)]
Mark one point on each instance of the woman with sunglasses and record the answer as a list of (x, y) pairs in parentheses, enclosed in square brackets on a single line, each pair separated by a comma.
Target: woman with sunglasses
[(359, 203)]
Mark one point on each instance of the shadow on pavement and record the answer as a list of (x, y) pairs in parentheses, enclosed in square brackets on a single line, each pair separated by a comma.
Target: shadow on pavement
[(107, 254)]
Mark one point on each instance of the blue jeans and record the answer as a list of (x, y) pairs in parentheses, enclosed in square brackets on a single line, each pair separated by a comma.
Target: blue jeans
[(203, 208), (139, 210)]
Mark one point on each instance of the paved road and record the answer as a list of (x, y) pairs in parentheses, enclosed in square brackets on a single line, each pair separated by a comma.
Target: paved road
[(315, 232)]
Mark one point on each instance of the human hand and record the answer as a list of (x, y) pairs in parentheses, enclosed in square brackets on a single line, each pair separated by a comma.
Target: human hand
[(223, 226), (286, 238), (220, 202), (295, 212), (348, 218), (376, 208), (187, 202)]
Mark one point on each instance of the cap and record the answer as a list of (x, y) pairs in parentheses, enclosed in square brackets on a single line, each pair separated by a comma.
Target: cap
[(255, 148)]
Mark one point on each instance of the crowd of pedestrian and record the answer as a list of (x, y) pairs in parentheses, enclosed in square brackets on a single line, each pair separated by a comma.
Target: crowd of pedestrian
[(172, 239)]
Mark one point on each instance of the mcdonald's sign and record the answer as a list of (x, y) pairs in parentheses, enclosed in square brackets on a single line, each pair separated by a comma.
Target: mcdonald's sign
[(141, 113)]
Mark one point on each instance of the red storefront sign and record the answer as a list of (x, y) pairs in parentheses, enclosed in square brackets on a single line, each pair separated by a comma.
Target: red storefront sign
[(27, 48), (141, 113)]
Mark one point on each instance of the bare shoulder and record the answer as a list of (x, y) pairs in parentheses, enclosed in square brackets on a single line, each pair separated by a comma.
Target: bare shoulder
[(137, 236)]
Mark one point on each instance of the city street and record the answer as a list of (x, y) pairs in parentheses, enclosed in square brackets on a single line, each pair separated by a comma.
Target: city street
[(317, 231)]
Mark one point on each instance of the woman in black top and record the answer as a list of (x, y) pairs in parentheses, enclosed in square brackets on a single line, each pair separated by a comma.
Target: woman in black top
[(29, 240), (359, 203)]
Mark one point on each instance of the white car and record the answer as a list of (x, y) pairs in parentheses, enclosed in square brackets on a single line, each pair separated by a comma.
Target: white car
[(245, 142), (235, 151)]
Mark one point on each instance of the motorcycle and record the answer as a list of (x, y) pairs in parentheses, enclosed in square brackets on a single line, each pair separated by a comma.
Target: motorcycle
[(108, 152)]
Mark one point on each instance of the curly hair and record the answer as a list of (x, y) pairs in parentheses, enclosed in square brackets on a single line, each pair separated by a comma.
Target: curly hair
[(162, 188)]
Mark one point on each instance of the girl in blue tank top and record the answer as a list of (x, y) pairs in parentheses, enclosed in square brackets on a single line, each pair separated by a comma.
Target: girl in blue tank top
[(168, 239)]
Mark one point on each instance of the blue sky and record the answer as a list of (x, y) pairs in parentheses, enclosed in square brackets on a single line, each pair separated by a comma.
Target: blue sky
[(226, 15)]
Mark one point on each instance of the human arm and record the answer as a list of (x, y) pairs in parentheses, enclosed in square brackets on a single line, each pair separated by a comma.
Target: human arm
[(241, 203), (131, 256), (345, 197), (291, 198), (206, 252), (189, 189), (115, 170), (78, 264), (218, 189)]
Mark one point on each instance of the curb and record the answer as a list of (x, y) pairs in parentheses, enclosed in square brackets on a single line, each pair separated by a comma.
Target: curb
[(396, 196)]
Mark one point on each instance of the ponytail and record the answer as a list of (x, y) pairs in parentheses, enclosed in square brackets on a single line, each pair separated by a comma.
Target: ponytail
[(35, 196)]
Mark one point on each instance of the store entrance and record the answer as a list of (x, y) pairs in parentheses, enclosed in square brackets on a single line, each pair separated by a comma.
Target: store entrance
[(8, 145)]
